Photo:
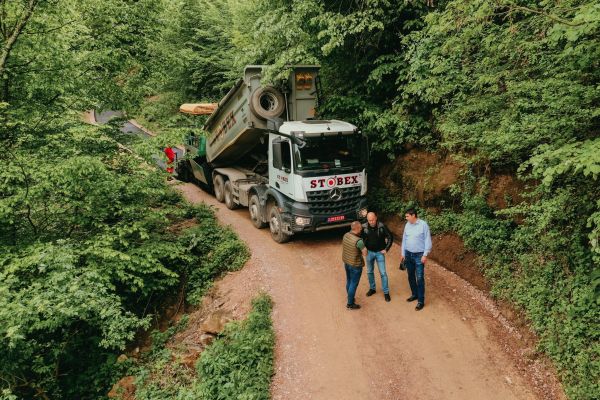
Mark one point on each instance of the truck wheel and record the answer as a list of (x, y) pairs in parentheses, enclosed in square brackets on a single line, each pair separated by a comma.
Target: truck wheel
[(219, 187), (276, 225), (255, 214), (183, 171), (228, 194), (267, 102)]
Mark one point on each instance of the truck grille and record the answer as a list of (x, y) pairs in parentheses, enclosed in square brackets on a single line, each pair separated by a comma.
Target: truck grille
[(319, 202)]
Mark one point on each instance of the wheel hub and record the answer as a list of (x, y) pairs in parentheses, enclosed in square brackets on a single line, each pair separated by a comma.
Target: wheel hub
[(274, 225)]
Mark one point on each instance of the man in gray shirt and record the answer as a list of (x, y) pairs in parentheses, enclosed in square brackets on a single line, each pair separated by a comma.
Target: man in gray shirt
[(416, 246)]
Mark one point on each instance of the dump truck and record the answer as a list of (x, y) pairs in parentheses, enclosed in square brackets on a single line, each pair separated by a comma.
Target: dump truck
[(266, 151)]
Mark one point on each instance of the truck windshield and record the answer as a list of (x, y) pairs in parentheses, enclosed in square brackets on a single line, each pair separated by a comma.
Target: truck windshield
[(330, 152)]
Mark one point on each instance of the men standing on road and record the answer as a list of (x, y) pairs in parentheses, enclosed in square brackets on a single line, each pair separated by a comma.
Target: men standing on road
[(416, 246), (353, 250), (378, 240)]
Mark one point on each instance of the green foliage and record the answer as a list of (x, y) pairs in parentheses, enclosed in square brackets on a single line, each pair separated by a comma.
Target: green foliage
[(240, 364), (161, 115), (237, 365), (91, 239), (87, 246), (508, 86), (218, 249), (570, 159), (509, 76)]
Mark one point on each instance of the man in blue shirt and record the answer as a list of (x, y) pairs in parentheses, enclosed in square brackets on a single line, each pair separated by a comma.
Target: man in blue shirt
[(416, 246)]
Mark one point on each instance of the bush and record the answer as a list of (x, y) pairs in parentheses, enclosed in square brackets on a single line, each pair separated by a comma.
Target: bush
[(90, 243), (240, 364), (237, 365)]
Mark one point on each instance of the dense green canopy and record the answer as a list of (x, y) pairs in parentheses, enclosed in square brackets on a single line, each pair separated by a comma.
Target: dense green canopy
[(510, 86)]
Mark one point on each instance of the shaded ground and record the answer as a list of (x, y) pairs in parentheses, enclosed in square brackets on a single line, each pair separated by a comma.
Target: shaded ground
[(459, 347)]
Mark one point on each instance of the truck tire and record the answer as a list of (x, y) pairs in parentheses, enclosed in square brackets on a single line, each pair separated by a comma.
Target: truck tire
[(183, 171), (276, 225), (228, 196), (255, 214), (267, 102), (219, 187)]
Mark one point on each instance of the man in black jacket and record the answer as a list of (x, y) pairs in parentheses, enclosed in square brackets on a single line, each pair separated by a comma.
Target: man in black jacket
[(378, 239)]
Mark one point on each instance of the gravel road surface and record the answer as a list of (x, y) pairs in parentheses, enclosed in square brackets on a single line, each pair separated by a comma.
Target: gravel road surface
[(457, 347)]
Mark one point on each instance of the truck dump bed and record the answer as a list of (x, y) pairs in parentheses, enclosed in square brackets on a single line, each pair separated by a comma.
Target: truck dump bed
[(240, 119)]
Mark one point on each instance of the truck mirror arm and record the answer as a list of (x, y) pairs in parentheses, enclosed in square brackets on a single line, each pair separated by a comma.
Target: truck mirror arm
[(296, 140)]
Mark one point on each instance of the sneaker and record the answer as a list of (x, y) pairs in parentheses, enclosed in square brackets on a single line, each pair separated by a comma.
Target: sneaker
[(419, 306), (371, 292), (387, 297), (353, 306), (411, 298)]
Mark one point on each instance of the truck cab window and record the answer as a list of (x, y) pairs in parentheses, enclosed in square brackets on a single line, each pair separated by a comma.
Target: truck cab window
[(331, 152), (286, 156), (282, 155)]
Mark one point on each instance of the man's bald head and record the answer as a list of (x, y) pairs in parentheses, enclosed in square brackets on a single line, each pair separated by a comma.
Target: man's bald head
[(372, 219), (355, 227)]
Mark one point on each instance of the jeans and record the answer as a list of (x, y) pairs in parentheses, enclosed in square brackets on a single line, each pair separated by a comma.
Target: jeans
[(416, 275), (373, 256), (352, 278)]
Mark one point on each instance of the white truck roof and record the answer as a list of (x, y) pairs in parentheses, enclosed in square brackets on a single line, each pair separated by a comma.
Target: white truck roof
[(317, 127)]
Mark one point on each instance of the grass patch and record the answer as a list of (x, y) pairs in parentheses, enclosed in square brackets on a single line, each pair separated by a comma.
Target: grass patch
[(237, 365), (240, 364)]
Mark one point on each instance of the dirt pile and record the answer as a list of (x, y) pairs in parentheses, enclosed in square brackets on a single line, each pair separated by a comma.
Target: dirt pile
[(505, 190), (422, 176), (124, 389), (428, 178)]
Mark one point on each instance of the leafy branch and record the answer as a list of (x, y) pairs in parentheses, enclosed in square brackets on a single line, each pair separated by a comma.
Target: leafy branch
[(545, 14)]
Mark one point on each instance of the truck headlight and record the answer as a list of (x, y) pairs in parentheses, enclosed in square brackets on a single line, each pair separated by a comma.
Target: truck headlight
[(362, 213), (302, 221)]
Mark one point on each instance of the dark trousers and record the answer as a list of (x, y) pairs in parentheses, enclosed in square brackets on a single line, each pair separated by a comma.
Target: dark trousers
[(352, 278), (416, 275)]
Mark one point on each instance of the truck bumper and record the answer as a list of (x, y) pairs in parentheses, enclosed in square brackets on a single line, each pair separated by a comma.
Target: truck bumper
[(299, 215)]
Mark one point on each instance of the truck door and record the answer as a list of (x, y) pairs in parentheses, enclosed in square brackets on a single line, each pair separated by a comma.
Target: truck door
[(281, 167)]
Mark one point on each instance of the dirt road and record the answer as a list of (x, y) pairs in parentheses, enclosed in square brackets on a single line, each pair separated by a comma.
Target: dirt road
[(456, 348)]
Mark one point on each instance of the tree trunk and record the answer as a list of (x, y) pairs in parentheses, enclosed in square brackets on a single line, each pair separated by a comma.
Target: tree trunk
[(10, 41)]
